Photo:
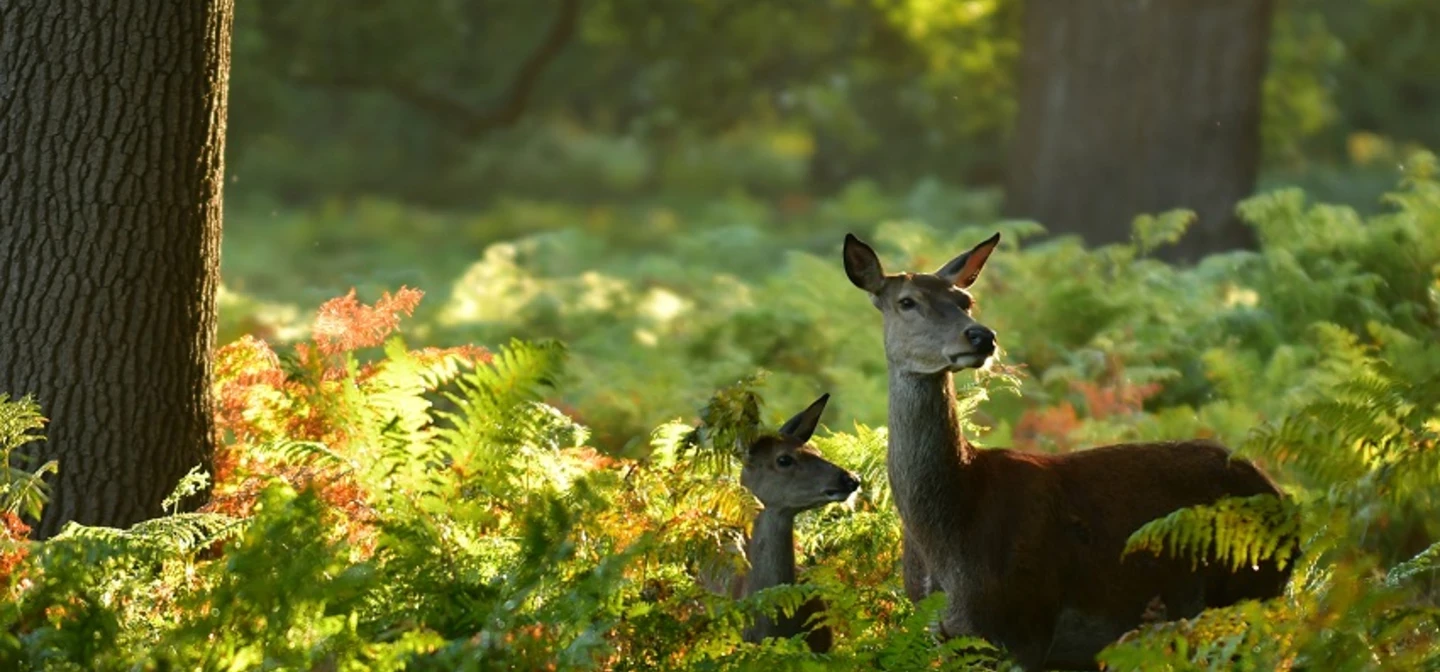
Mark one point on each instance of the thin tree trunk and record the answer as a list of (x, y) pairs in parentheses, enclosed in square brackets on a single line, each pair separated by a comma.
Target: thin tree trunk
[(1136, 106), (112, 126)]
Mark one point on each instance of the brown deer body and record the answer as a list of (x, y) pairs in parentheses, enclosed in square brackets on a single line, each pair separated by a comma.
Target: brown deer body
[(1028, 546), (788, 477)]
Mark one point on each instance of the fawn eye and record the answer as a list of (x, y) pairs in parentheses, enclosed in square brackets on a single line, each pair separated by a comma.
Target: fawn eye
[(906, 303), (784, 461)]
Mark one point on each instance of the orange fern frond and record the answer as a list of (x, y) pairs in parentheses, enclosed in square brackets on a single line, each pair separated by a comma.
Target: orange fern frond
[(344, 324), (244, 370), (14, 532)]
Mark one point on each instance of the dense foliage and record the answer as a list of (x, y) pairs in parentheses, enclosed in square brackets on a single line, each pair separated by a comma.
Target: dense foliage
[(406, 101), (532, 505)]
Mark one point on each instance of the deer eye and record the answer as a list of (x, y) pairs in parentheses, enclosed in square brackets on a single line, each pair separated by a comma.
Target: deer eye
[(906, 303), (784, 461)]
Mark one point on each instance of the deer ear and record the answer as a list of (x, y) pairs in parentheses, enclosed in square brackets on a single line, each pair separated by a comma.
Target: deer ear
[(863, 265), (964, 269), (802, 426)]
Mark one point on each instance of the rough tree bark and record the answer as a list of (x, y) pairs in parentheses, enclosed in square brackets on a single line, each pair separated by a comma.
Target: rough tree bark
[(1135, 106), (112, 126)]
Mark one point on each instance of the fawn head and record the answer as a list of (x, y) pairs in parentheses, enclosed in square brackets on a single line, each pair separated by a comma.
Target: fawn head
[(928, 327), (787, 475)]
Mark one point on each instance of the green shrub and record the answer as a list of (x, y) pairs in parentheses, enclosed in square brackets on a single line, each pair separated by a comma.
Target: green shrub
[(528, 505)]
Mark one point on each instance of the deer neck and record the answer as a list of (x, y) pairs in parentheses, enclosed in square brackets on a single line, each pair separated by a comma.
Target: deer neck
[(771, 550), (929, 459)]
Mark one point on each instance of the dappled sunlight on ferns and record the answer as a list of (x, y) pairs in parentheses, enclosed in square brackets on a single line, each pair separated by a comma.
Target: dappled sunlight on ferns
[(538, 505), (1359, 442)]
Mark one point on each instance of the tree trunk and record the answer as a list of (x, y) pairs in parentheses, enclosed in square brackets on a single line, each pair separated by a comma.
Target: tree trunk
[(112, 127), (1139, 106)]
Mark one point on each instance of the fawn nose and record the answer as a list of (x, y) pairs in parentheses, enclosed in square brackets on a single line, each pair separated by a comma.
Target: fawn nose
[(848, 483), (981, 338)]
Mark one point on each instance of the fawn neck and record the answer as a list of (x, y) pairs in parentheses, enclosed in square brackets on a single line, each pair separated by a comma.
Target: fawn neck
[(771, 550), (928, 457)]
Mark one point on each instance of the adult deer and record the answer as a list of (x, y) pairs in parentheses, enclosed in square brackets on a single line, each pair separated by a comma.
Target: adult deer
[(788, 477), (1028, 546)]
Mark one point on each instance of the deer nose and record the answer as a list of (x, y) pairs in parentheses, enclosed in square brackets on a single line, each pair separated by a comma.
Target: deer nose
[(850, 482), (980, 337), (846, 484)]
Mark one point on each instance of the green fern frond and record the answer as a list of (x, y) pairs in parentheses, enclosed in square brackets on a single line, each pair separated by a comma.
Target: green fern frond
[(779, 600), (430, 372), (554, 430), (1153, 231), (970, 394), (1427, 560), (21, 490), (393, 396), (177, 534), (729, 422), (183, 533), (1247, 636), (1328, 441), (1370, 429), (192, 483), (863, 452), (728, 504), (1242, 531), (495, 400), (20, 422), (666, 442), (290, 451), (913, 646)]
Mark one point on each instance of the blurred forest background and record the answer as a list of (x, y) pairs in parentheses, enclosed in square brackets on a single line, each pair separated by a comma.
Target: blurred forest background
[(633, 156), (472, 104)]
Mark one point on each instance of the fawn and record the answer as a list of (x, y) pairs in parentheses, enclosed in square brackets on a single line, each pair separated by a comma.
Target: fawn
[(788, 477), (1028, 546)]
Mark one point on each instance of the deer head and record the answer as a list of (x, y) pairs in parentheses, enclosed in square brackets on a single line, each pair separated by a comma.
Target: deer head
[(928, 327), (789, 476)]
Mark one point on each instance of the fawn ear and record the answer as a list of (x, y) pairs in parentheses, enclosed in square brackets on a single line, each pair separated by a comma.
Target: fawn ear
[(863, 265), (964, 269), (803, 425)]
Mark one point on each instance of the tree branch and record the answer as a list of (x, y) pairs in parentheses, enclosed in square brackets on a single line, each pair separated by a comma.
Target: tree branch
[(461, 117), (518, 95)]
